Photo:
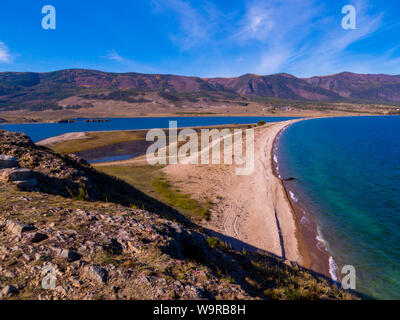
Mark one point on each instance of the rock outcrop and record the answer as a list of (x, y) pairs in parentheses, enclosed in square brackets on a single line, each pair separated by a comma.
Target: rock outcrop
[(39, 168)]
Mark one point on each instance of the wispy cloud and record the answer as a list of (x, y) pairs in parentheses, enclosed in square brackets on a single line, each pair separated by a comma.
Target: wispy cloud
[(276, 30), (195, 24), (114, 56), (126, 64), (302, 37), (5, 56), (331, 52), (291, 36), (257, 24)]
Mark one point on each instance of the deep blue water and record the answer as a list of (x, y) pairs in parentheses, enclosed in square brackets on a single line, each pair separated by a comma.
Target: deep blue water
[(348, 169), (40, 131)]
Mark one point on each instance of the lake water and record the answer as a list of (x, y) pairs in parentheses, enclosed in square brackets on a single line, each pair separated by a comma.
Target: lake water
[(348, 170), (40, 131)]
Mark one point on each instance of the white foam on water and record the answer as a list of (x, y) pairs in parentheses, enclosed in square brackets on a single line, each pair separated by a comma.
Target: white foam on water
[(333, 269), (319, 236), (275, 158), (294, 198), (321, 244), (304, 220)]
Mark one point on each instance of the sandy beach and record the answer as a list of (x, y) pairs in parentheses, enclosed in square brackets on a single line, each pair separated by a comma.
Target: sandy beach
[(252, 212), (254, 208), (64, 137)]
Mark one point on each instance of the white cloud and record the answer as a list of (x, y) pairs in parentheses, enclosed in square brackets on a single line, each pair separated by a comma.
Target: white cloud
[(114, 55), (5, 55), (276, 30), (126, 64), (195, 25), (272, 62), (258, 23), (330, 54), (301, 37)]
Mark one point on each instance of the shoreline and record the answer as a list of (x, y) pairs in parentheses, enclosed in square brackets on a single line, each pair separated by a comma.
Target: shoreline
[(173, 115), (308, 254), (205, 115), (300, 239), (308, 235), (252, 211), (256, 211)]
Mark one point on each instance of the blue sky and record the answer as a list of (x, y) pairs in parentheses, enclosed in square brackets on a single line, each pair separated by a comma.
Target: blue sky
[(202, 38)]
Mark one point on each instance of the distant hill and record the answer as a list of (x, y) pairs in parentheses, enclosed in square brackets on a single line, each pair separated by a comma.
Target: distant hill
[(44, 91), (372, 87)]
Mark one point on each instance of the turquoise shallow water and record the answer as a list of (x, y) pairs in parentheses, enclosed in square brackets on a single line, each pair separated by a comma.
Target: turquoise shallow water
[(347, 170)]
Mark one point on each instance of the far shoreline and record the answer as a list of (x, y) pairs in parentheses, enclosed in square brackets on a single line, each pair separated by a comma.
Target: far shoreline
[(172, 115), (55, 120)]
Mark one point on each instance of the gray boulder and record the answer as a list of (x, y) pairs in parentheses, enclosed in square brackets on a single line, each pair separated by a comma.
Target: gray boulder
[(17, 228), (8, 291), (96, 273), (68, 254), (38, 237)]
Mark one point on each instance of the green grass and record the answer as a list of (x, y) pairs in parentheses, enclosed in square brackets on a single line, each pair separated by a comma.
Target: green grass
[(181, 200), (212, 242), (151, 180), (140, 177)]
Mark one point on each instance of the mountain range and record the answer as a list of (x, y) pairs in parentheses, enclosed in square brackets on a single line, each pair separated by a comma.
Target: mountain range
[(40, 91)]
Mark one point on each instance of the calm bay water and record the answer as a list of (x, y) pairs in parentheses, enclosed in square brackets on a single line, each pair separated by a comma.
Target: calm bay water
[(348, 171), (40, 131)]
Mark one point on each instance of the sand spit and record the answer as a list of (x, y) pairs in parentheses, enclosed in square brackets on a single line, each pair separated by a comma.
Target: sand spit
[(253, 209), (64, 137)]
